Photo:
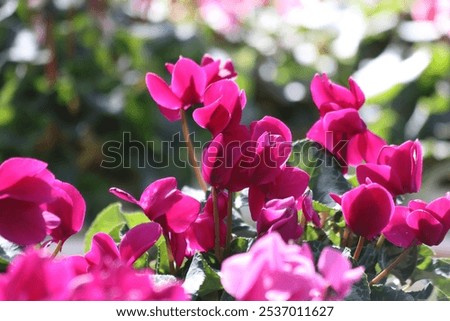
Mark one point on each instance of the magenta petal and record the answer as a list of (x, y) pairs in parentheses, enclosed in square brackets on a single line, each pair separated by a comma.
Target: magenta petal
[(357, 93), (364, 146), (103, 247), (213, 117), (397, 231), (22, 222), (381, 174), (338, 272), (51, 221), (158, 197), (14, 169), (256, 200), (70, 207), (344, 121), (188, 81), (123, 195), (272, 125), (291, 181), (440, 208), (367, 209), (161, 92), (138, 240), (182, 213), (428, 229)]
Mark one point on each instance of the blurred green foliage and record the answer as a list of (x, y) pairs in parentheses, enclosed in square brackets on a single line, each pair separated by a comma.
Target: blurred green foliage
[(72, 78)]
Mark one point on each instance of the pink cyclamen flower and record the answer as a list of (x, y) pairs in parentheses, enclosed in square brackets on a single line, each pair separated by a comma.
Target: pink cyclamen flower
[(26, 185), (340, 128), (291, 181), (35, 276), (135, 243), (221, 156), (163, 203), (280, 215), (186, 88), (264, 155), (217, 70), (274, 270), (223, 104), (200, 236), (367, 209), (419, 223), (338, 273), (69, 207), (329, 96), (398, 168)]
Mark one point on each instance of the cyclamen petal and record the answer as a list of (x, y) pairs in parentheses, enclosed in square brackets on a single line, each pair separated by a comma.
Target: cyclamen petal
[(428, 229), (367, 209), (70, 207), (324, 91), (398, 232), (188, 81), (168, 103), (138, 240)]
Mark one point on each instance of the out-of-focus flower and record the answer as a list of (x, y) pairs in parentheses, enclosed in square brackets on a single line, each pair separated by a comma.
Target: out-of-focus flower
[(398, 168), (226, 16), (274, 270), (186, 88), (435, 11), (338, 273), (419, 223), (367, 209), (34, 276)]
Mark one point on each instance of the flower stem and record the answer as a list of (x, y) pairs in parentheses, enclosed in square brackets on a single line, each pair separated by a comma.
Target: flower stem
[(215, 199), (380, 241), (359, 248), (390, 267), (57, 249), (229, 220), (170, 255), (345, 237), (192, 159)]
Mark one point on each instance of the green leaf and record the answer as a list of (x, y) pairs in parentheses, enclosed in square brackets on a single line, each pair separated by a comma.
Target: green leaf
[(406, 267), (387, 293), (360, 290), (201, 278), (422, 294), (438, 272), (162, 258), (323, 208), (110, 221), (239, 227), (240, 245), (135, 218), (369, 259)]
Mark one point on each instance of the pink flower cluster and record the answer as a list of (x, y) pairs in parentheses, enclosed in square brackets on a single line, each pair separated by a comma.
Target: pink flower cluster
[(238, 156), (389, 171), (105, 273), (275, 271), (34, 204)]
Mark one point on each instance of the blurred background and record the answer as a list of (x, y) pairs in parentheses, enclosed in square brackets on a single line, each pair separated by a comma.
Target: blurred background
[(72, 75)]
